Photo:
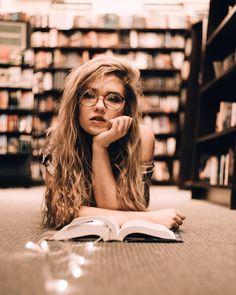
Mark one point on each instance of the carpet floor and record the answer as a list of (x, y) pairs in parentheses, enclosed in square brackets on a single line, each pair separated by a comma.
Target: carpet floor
[(205, 263)]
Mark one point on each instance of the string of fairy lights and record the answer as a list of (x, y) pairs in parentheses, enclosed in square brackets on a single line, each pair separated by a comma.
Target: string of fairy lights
[(55, 281)]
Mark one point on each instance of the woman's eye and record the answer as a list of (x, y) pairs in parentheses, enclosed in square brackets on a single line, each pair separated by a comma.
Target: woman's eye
[(114, 98), (89, 95)]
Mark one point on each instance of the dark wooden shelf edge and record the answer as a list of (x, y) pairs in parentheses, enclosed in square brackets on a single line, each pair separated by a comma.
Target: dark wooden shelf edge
[(52, 69), (7, 65), (17, 111), (8, 182), (221, 27), (119, 49), (115, 29), (146, 70), (16, 155), (205, 185), (166, 157), (165, 135), (164, 182), (16, 88), (14, 133), (217, 80), (47, 92), (216, 135), (160, 70), (162, 91), (158, 113)]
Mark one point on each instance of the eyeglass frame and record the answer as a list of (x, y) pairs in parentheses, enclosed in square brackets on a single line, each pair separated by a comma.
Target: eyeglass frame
[(103, 97)]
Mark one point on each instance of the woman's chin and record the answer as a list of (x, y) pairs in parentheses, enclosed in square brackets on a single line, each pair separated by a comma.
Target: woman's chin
[(96, 131)]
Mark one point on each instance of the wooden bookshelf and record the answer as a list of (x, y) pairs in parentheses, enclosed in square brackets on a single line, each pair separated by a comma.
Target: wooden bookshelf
[(214, 147)]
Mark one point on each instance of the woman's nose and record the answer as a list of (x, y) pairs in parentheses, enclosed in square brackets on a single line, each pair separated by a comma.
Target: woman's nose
[(100, 104)]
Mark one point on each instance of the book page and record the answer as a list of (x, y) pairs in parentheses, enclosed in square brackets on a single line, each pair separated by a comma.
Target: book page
[(147, 228), (100, 226)]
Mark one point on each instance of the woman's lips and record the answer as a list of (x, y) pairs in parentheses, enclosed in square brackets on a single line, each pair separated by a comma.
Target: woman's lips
[(101, 121)]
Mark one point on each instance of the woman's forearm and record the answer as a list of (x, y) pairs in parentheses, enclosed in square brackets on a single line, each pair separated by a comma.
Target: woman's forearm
[(104, 183), (171, 218), (120, 216)]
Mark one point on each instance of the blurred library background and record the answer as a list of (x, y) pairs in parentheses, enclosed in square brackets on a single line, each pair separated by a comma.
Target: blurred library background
[(185, 51)]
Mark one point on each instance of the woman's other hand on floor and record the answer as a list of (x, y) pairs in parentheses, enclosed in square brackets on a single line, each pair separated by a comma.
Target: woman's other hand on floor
[(171, 218)]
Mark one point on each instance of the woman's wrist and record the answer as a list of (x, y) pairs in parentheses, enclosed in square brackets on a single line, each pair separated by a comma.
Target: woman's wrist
[(98, 147)]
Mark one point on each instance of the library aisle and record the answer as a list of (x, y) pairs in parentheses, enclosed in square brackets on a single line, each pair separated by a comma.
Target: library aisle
[(205, 263)]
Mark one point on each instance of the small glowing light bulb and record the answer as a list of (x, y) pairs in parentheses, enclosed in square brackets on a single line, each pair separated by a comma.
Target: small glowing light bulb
[(32, 246), (56, 285), (75, 269), (44, 246), (90, 246), (78, 258), (62, 285), (81, 260)]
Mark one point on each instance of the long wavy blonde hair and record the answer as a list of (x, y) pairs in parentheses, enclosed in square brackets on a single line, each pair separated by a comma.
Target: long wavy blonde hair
[(69, 146)]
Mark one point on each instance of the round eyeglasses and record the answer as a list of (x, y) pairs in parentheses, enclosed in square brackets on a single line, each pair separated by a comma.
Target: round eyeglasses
[(112, 101)]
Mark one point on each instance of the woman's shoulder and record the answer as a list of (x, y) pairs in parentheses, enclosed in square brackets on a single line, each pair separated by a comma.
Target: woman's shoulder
[(146, 133), (147, 143)]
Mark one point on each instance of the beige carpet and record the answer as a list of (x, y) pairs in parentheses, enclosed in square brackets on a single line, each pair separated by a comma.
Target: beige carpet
[(204, 264)]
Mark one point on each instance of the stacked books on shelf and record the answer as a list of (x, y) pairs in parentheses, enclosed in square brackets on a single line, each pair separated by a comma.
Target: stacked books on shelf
[(226, 117), (217, 169), (16, 101), (149, 20), (15, 145)]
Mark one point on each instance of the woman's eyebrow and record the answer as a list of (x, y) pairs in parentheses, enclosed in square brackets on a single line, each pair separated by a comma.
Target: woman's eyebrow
[(96, 90), (113, 92)]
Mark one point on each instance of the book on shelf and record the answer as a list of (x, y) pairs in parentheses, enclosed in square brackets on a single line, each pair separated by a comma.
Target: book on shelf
[(3, 123), (25, 143), (4, 98), (185, 70), (233, 115), (12, 145), (12, 123), (25, 124), (175, 170), (188, 47), (38, 171), (165, 146), (3, 144), (221, 67), (108, 229), (161, 171), (217, 169), (226, 117), (162, 124)]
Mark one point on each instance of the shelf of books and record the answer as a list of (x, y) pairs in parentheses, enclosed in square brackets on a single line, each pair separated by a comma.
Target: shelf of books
[(16, 112), (159, 53), (215, 145)]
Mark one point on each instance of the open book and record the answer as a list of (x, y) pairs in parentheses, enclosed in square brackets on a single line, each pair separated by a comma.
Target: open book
[(107, 229)]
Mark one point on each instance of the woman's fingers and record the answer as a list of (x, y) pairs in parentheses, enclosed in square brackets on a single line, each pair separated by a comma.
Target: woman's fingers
[(175, 226), (127, 124), (181, 215), (179, 221), (122, 124)]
